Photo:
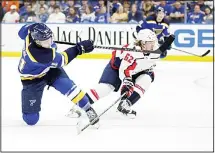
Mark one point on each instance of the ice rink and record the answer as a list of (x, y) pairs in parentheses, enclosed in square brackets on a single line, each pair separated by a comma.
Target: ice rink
[(176, 113)]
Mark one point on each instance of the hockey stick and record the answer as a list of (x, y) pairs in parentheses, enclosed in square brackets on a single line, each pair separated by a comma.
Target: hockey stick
[(114, 48), (206, 53), (86, 126), (160, 50)]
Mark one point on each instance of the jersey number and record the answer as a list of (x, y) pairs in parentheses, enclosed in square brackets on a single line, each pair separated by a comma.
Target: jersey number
[(128, 58)]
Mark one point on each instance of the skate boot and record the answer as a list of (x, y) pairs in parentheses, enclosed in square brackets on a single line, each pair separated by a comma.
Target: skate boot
[(124, 108), (91, 114), (84, 119)]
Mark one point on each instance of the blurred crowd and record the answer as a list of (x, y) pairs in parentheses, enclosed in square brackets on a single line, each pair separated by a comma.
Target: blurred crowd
[(104, 11)]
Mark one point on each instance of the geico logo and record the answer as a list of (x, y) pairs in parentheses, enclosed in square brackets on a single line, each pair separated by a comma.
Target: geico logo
[(191, 38)]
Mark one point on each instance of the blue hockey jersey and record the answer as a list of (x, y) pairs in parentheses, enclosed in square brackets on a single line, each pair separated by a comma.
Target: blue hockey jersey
[(36, 61), (161, 29)]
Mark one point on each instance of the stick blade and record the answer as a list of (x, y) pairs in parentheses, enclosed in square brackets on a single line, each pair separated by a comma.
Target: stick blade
[(206, 53)]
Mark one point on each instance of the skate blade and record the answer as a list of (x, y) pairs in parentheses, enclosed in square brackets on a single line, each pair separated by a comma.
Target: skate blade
[(73, 114), (128, 116), (80, 125), (84, 122), (96, 126)]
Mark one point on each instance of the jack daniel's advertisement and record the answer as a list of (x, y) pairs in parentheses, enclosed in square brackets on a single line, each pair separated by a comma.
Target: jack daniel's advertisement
[(101, 34)]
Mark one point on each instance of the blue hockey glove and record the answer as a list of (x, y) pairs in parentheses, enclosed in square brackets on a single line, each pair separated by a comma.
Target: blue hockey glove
[(127, 87), (85, 46)]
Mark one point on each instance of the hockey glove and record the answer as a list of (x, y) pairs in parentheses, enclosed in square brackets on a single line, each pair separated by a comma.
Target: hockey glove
[(161, 42), (127, 87), (85, 46)]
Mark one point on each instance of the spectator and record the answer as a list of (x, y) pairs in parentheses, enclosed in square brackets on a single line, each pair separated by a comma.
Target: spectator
[(75, 4), (72, 16), (71, 3), (43, 15), (177, 15), (23, 9), (127, 2), (57, 16), (29, 13), (201, 4), (167, 8), (84, 5), (134, 15), (101, 15), (52, 4), (63, 6), (114, 6), (35, 4), (102, 4), (119, 16), (196, 16), (41, 4), (126, 7), (208, 18), (7, 5), (88, 15), (148, 8), (12, 16), (1, 12)]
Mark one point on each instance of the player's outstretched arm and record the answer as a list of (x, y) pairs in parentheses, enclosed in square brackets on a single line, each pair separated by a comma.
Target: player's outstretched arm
[(69, 54)]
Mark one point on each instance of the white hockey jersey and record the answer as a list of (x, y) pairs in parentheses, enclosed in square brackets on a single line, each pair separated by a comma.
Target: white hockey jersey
[(130, 63)]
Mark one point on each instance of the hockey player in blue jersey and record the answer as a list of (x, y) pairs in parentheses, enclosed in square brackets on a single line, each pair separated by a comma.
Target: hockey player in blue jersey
[(157, 23), (41, 65)]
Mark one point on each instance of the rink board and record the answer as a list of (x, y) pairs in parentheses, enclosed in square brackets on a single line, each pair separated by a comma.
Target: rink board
[(197, 39)]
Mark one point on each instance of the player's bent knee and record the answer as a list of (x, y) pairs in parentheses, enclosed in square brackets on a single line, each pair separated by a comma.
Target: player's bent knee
[(30, 118)]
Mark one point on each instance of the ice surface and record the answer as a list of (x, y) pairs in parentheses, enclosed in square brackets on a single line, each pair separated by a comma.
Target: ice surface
[(175, 114)]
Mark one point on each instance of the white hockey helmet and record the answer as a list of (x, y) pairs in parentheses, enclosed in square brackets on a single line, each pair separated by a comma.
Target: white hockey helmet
[(146, 35), (147, 39)]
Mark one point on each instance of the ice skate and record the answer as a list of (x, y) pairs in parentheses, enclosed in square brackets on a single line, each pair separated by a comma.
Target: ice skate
[(83, 120), (124, 107), (91, 114)]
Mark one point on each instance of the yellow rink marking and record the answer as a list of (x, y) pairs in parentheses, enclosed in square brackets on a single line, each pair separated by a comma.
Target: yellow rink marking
[(108, 56)]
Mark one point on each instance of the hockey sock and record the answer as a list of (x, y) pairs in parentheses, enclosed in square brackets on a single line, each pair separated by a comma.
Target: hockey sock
[(81, 100), (90, 99), (134, 97)]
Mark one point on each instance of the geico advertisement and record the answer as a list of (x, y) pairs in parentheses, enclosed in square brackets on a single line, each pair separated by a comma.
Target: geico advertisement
[(193, 38)]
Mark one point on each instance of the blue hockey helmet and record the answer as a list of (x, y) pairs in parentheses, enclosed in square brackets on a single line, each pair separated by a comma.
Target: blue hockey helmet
[(160, 9), (40, 32)]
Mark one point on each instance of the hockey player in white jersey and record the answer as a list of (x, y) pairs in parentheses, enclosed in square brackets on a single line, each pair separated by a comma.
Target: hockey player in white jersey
[(131, 72)]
